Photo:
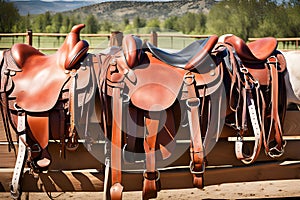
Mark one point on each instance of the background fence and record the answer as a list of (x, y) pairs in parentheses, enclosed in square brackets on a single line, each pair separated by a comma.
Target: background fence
[(50, 42)]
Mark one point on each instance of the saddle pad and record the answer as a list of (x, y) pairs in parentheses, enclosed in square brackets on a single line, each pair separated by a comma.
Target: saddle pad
[(157, 85), (37, 87)]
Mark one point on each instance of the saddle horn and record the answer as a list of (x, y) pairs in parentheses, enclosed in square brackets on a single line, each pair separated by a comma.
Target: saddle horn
[(132, 48), (73, 49)]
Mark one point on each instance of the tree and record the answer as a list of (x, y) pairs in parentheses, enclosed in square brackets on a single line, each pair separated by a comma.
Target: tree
[(57, 20), (242, 18), (153, 24), (139, 22), (23, 24), (91, 23), (106, 26), (9, 16), (293, 18), (170, 23)]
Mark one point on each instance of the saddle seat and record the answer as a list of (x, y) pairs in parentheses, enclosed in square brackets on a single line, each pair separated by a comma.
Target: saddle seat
[(40, 78), (157, 83), (255, 52), (189, 57)]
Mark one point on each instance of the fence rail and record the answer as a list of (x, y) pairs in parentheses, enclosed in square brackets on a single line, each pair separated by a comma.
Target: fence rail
[(285, 42), (52, 41)]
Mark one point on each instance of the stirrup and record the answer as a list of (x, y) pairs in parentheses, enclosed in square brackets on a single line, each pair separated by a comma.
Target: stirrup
[(34, 163), (274, 152)]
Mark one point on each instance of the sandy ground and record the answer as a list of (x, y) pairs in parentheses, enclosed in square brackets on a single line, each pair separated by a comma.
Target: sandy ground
[(250, 190)]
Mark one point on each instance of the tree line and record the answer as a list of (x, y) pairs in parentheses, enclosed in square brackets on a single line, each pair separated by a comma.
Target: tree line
[(246, 19)]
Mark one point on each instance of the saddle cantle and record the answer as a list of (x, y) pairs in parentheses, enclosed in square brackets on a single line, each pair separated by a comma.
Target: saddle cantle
[(40, 77), (255, 55), (254, 52), (188, 58)]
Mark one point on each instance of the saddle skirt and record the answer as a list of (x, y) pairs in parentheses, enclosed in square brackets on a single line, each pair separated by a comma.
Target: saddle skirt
[(37, 78)]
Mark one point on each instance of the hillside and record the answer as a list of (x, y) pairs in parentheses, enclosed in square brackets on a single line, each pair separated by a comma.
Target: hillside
[(118, 10), (39, 7)]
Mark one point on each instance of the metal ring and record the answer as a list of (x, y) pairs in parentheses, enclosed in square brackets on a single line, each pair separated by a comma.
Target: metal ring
[(187, 76), (126, 99), (194, 172), (192, 100), (17, 108), (156, 171), (244, 70)]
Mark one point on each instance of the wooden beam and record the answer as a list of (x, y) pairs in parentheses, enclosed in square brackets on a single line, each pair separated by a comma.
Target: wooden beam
[(92, 180)]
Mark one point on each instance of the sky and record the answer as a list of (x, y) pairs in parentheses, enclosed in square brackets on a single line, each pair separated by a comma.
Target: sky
[(89, 0)]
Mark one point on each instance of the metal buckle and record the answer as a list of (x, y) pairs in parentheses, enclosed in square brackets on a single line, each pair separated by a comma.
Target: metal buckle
[(126, 98), (38, 148), (244, 70), (157, 173), (194, 101), (194, 172), (17, 108), (272, 60), (189, 75)]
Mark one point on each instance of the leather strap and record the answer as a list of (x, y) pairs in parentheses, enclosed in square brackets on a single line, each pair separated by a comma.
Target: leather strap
[(275, 131), (242, 102), (18, 170), (72, 143), (197, 165), (150, 175), (256, 116), (116, 140), (5, 76)]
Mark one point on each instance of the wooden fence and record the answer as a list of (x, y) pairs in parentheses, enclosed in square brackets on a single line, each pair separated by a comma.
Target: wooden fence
[(115, 38), (83, 170)]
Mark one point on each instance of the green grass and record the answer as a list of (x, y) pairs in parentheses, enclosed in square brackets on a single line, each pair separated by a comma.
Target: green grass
[(98, 43)]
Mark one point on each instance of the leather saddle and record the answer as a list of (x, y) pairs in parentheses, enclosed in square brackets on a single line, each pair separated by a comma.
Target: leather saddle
[(160, 73), (257, 94), (254, 55), (39, 78), (147, 83)]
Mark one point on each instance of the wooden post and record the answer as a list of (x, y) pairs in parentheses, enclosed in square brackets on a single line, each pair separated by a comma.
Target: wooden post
[(29, 37), (153, 38), (116, 38)]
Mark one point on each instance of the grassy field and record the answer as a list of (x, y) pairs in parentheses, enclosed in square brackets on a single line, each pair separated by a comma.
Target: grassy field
[(98, 43)]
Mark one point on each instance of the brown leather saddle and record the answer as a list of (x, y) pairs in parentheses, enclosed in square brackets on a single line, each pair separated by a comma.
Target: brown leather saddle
[(41, 93), (39, 78), (257, 94), (144, 85)]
